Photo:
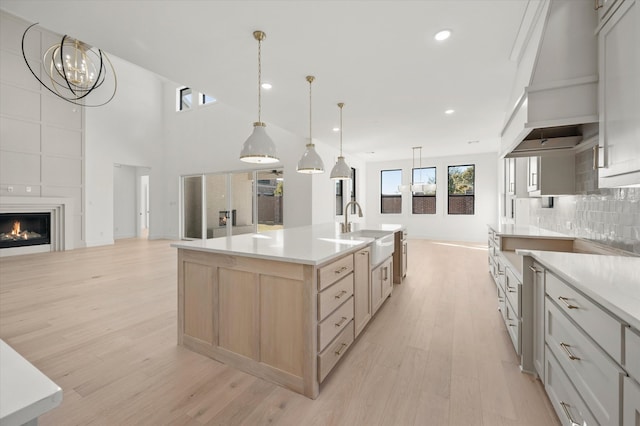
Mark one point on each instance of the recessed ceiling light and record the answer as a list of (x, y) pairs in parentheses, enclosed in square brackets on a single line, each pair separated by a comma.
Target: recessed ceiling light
[(450, 111), (470, 142), (266, 86), (442, 35), (336, 129)]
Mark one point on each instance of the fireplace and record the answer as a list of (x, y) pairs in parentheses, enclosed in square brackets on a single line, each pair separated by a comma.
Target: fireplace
[(24, 229)]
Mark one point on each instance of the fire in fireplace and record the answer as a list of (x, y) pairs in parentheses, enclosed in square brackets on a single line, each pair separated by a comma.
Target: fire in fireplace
[(24, 229)]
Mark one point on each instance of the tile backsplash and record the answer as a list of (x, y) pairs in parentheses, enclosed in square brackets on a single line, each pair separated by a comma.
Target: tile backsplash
[(608, 216)]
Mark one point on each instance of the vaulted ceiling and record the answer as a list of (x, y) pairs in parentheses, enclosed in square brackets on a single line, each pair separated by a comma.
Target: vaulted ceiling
[(378, 57)]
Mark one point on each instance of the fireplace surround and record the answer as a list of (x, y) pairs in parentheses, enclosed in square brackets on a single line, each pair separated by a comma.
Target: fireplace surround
[(61, 222)]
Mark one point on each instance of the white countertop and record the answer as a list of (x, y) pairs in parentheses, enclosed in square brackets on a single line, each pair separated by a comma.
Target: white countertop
[(612, 281), (311, 245), (509, 230), (25, 393)]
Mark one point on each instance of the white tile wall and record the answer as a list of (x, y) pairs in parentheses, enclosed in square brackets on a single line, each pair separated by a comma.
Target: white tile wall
[(611, 217)]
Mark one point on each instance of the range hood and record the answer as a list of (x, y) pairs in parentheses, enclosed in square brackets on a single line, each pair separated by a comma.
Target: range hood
[(555, 93)]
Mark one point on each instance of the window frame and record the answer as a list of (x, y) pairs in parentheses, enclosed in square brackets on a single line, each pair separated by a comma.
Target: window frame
[(181, 96), (383, 196), (414, 196), (473, 195)]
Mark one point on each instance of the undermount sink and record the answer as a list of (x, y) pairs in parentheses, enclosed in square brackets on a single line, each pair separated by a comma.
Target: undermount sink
[(382, 246)]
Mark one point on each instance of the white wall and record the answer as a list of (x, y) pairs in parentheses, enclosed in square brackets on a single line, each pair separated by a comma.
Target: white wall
[(128, 130), (440, 226), (125, 188)]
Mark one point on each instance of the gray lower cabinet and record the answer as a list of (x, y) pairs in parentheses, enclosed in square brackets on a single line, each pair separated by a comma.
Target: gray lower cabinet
[(588, 359), (631, 403), (538, 272)]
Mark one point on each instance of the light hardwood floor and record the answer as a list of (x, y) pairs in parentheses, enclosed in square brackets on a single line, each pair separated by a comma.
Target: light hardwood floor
[(101, 323)]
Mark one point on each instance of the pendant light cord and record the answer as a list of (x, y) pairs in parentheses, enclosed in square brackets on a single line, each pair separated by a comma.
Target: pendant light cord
[(260, 80), (310, 80), (340, 105)]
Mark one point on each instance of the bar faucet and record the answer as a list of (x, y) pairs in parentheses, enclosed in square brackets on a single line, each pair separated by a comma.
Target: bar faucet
[(346, 226)]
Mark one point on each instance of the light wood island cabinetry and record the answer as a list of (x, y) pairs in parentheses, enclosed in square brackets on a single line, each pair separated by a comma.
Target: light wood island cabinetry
[(362, 289), (283, 318)]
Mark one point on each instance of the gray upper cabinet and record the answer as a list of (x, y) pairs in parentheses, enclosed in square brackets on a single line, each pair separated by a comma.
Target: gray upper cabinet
[(551, 175), (619, 96)]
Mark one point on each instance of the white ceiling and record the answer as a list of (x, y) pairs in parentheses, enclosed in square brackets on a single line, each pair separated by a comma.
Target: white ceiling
[(379, 57)]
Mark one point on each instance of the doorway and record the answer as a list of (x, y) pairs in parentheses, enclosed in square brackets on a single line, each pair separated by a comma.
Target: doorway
[(143, 214), (131, 207)]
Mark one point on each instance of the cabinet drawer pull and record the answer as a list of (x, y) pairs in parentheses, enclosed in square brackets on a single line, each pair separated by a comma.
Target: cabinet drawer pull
[(511, 289), (597, 5), (567, 304), (339, 323), (339, 295), (534, 270), (363, 253), (571, 356), (339, 351), (565, 408), (341, 270)]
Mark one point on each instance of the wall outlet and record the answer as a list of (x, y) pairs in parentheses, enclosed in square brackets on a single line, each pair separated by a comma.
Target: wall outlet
[(9, 188), (28, 189)]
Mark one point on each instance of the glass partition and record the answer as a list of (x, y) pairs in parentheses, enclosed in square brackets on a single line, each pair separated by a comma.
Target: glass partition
[(235, 203), (192, 207)]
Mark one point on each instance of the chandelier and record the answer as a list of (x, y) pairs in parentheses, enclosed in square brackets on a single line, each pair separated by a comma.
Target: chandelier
[(73, 70)]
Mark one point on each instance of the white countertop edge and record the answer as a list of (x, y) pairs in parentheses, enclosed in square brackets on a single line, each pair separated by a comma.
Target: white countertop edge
[(307, 245), (627, 317), (289, 259), (25, 392), (508, 230)]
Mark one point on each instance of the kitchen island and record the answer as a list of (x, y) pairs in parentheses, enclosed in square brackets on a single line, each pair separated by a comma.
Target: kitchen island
[(281, 305)]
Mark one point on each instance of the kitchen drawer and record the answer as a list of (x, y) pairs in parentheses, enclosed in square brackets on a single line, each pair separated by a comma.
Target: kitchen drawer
[(632, 353), (570, 408), (332, 272), (593, 373), (597, 323), (334, 323), (328, 358), (513, 288), (631, 403), (512, 322), (500, 271), (334, 296), (502, 299)]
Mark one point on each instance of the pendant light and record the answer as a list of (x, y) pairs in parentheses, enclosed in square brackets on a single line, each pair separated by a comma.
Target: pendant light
[(259, 148), (421, 186), (310, 161), (409, 187), (341, 170)]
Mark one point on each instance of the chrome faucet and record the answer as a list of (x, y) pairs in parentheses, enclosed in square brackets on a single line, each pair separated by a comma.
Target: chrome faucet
[(346, 226)]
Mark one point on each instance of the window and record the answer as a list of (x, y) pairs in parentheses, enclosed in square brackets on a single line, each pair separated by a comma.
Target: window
[(353, 189), (339, 198), (185, 99), (424, 201), (390, 198), (206, 99), (461, 189)]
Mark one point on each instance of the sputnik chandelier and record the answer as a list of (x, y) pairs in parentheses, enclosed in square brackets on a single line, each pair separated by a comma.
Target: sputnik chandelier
[(73, 70)]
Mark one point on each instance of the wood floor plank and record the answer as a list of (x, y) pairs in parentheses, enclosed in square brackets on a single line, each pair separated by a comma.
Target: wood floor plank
[(101, 322)]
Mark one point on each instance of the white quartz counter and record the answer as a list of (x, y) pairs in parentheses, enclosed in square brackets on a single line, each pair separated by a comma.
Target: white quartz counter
[(312, 245), (508, 230), (25, 393), (612, 281)]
